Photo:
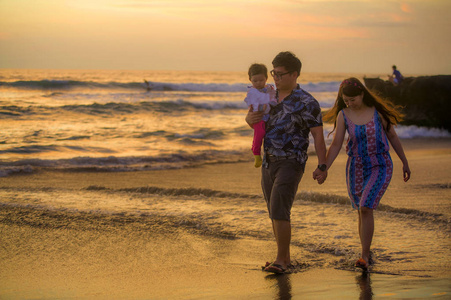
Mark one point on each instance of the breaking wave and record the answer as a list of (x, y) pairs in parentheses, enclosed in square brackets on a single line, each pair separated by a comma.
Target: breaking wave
[(156, 86), (117, 164)]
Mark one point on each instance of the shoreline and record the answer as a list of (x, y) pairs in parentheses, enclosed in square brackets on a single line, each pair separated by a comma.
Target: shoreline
[(429, 160)]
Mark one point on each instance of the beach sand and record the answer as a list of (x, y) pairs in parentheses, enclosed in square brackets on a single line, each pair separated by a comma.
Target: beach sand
[(66, 253)]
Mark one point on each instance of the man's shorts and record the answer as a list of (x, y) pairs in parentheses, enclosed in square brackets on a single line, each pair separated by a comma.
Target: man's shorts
[(280, 183)]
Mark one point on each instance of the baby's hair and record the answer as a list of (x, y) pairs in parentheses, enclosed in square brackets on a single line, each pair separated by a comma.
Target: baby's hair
[(256, 69), (352, 87)]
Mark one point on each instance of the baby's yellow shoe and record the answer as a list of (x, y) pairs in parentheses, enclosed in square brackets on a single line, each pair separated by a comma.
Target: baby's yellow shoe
[(258, 161)]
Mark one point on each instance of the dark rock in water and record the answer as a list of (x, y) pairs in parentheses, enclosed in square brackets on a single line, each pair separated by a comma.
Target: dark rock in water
[(426, 100)]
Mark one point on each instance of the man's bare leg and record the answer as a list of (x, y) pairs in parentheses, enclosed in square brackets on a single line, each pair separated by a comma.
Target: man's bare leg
[(282, 233)]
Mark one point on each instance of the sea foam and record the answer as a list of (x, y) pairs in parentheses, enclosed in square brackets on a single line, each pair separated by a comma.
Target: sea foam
[(410, 132)]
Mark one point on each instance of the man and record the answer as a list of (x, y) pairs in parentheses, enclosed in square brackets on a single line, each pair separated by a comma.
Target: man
[(396, 78), (296, 115)]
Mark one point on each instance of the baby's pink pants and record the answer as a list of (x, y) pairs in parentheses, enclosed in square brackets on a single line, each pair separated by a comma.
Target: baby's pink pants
[(259, 134)]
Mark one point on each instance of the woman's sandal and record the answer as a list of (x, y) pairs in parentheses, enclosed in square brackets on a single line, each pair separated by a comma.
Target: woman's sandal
[(266, 265), (361, 263)]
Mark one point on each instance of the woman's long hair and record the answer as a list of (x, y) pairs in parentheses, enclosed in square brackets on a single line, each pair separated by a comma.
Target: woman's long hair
[(352, 87)]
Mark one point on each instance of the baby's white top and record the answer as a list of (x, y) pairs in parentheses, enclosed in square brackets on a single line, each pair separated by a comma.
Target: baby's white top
[(256, 97)]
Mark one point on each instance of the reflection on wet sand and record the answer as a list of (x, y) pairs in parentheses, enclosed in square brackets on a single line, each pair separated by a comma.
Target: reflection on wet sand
[(282, 286), (364, 282)]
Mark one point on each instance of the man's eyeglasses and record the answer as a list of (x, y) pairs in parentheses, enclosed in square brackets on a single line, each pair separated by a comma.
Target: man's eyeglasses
[(278, 75)]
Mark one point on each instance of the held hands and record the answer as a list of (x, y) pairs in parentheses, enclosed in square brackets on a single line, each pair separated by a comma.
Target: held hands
[(319, 176)]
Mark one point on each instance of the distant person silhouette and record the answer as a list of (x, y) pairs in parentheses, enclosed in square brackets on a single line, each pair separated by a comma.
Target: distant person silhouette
[(396, 78), (148, 86)]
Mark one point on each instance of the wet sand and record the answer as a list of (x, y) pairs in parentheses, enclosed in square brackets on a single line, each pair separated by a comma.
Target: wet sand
[(69, 264), (67, 254)]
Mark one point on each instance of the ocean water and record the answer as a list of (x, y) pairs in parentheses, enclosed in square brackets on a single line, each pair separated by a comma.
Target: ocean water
[(107, 120)]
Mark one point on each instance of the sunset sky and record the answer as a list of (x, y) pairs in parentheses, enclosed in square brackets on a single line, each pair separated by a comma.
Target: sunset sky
[(364, 36)]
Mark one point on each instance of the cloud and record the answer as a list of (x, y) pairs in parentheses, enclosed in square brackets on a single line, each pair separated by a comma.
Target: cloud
[(379, 23), (4, 36), (167, 4), (406, 8)]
